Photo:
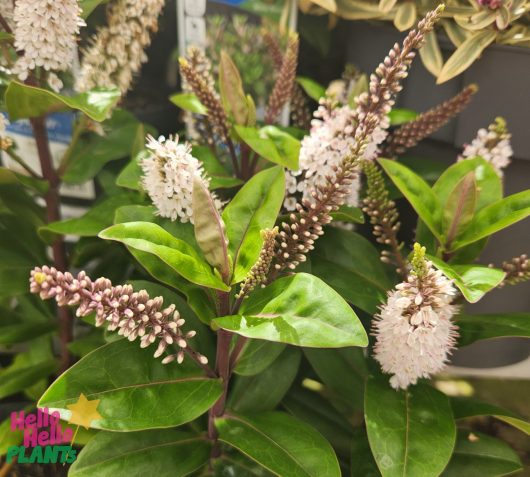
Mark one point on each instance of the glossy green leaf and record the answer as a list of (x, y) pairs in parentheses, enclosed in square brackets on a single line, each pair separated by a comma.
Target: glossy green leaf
[(495, 217), (277, 147), (352, 266), (257, 355), (418, 193), (474, 281), (263, 392), (210, 229), (300, 310), (481, 455), (400, 116), (362, 460), (233, 463), (15, 378), (180, 256), (280, 443), (412, 433), (220, 179), (136, 391), (313, 89), (466, 54), (495, 325), (431, 54), (188, 102), (164, 453), (464, 408), (254, 208), (405, 16), (24, 101), (231, 89), (343, 372)]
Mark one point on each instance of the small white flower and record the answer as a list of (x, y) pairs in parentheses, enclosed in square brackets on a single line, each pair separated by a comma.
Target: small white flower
[(118, 49), (414, 332), (493, 145), (168, 178), (46, 33)]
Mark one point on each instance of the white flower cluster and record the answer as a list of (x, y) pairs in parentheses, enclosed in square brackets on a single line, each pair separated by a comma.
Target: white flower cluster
[(493, 145), (117, 51), (168, 177), (46, 34), (330, 140), (414, 332)]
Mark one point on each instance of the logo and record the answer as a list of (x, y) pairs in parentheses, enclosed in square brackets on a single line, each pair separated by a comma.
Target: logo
[(45, 440)]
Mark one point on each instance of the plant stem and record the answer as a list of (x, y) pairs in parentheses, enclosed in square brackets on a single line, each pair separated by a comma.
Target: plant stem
[(236, 352), (233, 156), (13, 155), (52, 200), (5, 25), (6, 467)]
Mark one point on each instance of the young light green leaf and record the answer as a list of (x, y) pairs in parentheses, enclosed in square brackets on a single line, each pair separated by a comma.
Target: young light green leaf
[(254, 208), (231, 88), (135, 390), (431, 54), (88, 6), (280, 443), (164, 453), (495, 217), (130, 176), (405, 16), (405, 426), (311, 88), (401, 115), (474, 281), (300, 310), (176, 253), (479, 454), (418, 193), (188, 102), (494, 325), (464, 408), (263, 392), (210, 229), (24, 101), (466, 54), (288, 146)]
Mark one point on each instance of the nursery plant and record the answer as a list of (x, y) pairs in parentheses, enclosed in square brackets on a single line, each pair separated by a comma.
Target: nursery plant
[(231, 320)]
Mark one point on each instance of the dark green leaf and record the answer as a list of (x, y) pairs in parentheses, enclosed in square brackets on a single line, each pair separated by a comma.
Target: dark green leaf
[(153, 239), (495, 325), (136, 391), (220, 179), (311, 88), (412, 433), (280, 443), (263, 392), (254, 208), (362, 460), (481, 455), (8, 176), (300, 310), (15, 328), (164, 453), (24, 101), (14, 379), (188, 102), (257, 355)]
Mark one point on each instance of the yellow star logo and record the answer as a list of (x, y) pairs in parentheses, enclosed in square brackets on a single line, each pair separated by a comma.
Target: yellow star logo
[(84, 411)]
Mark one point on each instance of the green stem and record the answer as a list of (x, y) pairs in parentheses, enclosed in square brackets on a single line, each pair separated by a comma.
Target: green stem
[(13, 155)]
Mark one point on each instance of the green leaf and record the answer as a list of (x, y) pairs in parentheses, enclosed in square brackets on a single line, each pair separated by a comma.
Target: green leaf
[(88, 6), (418, 193), (164, 453), (431, 54), (495, 217), (210, 229), (300, 310), (479, 454), (412, 433), (280, 443), (464, 408), (263, 392), (405, 16), (350, 215), (231, 89), (91, 153), (386, 5), (257, 355), (272, 144), (400, 116), (362, 460), (176, 253), (474, 281), (136, 391), (343, 371), (495, 325), (254, 208), (17, 328), (466, 54), (313, 89), (8, 437), (16, 378), (8, 176), (130, 176), (351, 265), (24, 101), (220, 179), (188, 102)]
